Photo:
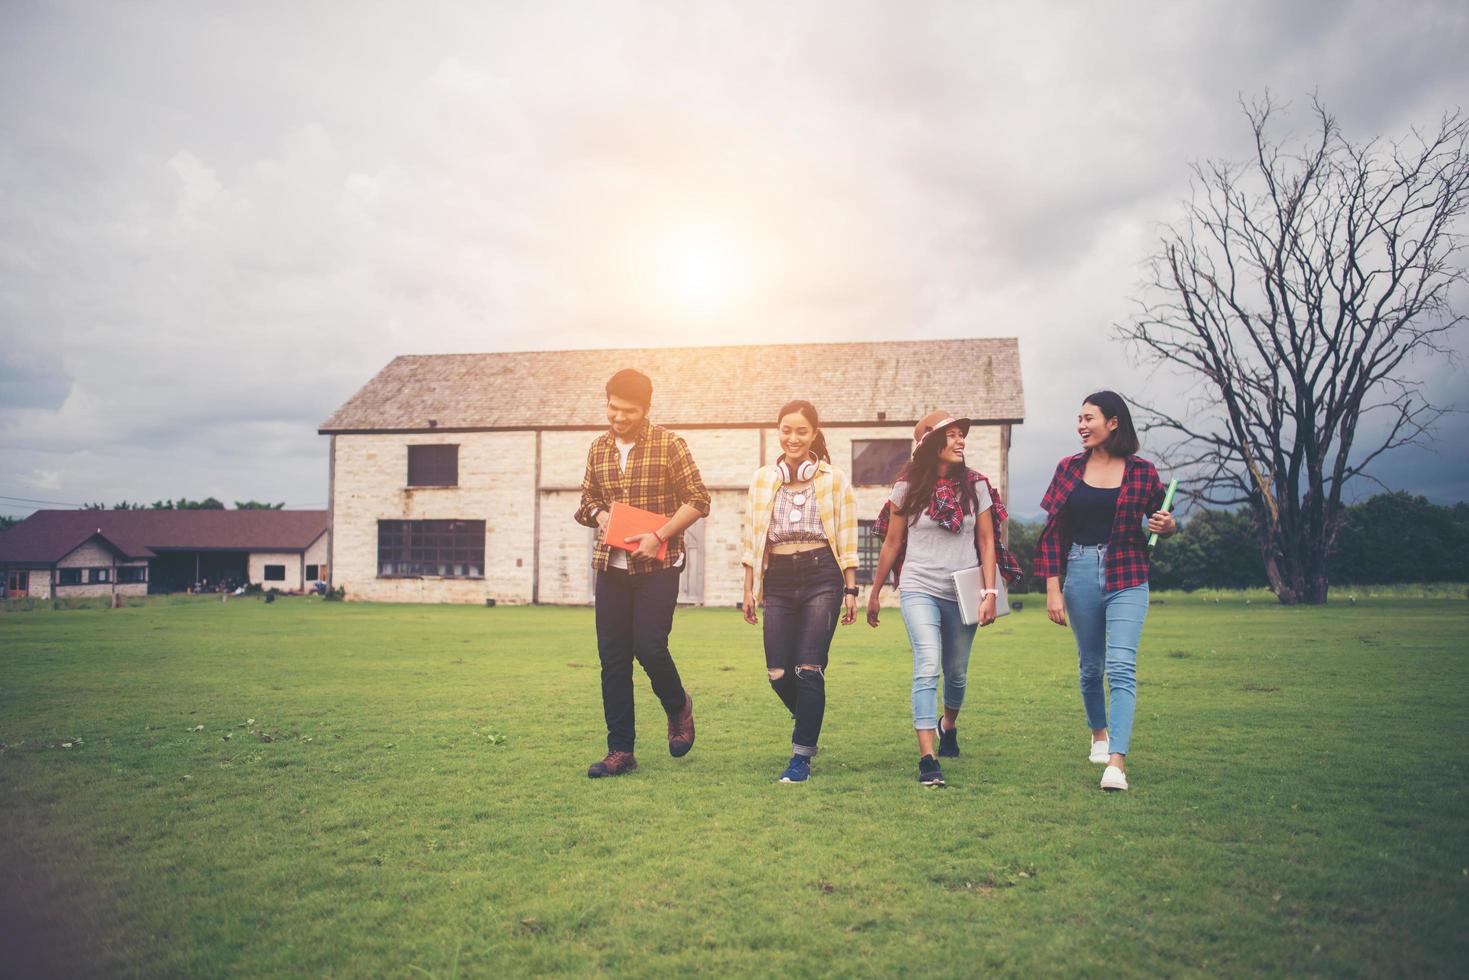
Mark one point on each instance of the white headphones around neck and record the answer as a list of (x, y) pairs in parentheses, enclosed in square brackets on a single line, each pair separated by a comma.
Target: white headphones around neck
[(804, 472)]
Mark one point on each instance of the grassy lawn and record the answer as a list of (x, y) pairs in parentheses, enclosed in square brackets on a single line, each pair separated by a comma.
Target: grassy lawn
[(307, 788)]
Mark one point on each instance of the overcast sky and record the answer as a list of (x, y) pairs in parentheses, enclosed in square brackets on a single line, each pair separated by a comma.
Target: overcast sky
[(217, 221)]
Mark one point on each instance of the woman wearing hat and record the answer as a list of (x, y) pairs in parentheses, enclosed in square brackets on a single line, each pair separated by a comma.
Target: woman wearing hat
[(940, 501), (800, 558)]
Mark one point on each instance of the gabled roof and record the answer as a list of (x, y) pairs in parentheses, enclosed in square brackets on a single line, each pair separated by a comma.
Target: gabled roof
[(47, 536), (692, 386)]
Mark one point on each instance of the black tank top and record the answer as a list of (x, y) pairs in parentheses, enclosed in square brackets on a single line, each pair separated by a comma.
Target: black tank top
[(1090, 512)]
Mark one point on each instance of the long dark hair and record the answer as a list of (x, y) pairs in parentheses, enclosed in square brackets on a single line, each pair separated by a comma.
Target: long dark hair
[(1123, 440), (922, 475), (818, 444)]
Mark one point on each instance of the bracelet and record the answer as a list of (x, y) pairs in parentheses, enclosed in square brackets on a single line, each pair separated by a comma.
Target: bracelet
[(851, 591), (993, 592), (661, 538)]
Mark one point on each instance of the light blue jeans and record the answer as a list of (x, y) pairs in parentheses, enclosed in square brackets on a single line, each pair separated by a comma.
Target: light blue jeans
[(1107, 627), (940, 640)]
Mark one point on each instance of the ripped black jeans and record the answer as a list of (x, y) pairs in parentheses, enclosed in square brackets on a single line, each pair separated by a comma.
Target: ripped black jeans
[(803, 600)]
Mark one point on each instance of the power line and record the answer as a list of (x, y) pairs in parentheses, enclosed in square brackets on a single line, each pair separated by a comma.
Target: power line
[(30, 500)]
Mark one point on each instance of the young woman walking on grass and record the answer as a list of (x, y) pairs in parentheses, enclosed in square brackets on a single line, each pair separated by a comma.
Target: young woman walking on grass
[(949, 520), (1093, 554), (800, 557)]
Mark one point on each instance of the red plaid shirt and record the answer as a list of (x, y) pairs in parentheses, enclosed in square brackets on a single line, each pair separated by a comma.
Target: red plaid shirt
[(1127, 545), (660, 476)]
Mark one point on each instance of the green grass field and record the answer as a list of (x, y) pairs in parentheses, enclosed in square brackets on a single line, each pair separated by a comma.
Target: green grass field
[(308, 788)]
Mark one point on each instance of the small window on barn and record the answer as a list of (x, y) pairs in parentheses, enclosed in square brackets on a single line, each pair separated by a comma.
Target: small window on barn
[(275, 573), (869, 549), (69, 576), (99, 576), (433, 466), (442, 549), (132, 573), (313, 572), (877, 462)]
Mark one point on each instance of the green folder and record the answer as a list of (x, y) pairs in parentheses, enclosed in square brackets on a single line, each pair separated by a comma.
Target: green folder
[(1167, 504)]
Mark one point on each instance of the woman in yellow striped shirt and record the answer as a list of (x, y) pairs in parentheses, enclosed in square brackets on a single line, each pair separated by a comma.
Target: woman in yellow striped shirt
[(800, 558)]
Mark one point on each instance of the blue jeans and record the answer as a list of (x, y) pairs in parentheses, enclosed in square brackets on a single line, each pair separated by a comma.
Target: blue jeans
[(939, 639), (803, 601), (1108, 627)]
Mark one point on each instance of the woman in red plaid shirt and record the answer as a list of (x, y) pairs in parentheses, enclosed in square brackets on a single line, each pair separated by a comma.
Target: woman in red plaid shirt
[(1100, 507)]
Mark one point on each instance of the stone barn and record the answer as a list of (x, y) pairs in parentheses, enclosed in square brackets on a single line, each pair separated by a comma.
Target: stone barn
[(454, 476)]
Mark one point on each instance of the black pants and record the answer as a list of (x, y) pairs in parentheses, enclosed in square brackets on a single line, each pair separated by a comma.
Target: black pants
[(634, 616), (803, 599)]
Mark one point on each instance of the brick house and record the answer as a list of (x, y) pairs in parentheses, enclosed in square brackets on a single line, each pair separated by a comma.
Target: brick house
[(454, 477), (76, 553)]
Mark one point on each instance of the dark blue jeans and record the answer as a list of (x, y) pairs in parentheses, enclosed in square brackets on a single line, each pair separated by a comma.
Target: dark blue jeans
[(634, 617), (803, 599)]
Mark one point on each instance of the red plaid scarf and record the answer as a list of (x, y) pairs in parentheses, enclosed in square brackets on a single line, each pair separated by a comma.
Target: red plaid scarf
[(944, 509)]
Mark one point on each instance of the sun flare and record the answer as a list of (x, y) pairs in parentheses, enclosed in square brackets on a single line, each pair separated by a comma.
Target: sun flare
[(701, 269)]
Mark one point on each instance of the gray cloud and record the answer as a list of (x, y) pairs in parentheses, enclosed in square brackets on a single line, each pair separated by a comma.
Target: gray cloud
[(221, 222), (33, 379)]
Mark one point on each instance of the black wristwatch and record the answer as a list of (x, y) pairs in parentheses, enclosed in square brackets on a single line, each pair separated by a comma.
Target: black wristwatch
[(852, 591)]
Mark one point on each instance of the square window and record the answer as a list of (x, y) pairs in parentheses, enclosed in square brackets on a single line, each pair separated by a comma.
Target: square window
[(99, 576), (433, 466), (877, 462), (275, 573), (69, 576)]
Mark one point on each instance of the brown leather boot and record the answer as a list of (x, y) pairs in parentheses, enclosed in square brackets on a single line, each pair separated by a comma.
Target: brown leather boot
[(615, 764), (681, 728)]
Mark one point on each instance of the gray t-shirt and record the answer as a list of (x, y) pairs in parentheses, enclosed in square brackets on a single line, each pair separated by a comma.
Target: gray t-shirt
[(934, 552)]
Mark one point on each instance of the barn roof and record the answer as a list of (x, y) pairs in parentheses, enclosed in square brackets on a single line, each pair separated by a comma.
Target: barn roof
[(47, 536), (851, 383)]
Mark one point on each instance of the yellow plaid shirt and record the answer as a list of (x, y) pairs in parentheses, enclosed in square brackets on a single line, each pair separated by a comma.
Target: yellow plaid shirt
[(834, 500), (660, 476)]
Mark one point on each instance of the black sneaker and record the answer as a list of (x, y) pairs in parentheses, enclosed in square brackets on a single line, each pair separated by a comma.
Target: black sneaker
[(929, 773), (948, 742)]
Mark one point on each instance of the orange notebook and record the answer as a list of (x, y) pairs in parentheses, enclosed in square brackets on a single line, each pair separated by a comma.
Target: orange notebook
[(625, 521)]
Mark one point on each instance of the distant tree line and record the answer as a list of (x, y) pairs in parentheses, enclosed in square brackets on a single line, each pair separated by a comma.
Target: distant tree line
[(1389, 538), (183, 503)]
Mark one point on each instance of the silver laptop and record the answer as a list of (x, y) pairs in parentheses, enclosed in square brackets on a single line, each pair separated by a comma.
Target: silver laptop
[(969, 583)]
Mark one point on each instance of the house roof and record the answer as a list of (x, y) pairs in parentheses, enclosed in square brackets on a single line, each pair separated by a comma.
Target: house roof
[(47, 536), (692, 386)]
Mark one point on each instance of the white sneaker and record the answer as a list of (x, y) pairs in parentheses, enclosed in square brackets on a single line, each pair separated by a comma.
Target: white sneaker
[(1100, 753), (1114, 779)]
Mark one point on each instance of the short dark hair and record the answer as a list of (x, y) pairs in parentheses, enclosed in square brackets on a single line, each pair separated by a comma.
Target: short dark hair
[(1122, 441), (635, 386)]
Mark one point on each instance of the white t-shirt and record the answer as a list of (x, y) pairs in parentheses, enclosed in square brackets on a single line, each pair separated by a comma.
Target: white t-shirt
[(616, 557)]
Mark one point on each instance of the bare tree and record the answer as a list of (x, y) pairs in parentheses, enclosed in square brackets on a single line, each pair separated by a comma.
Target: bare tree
[(1300, 290)]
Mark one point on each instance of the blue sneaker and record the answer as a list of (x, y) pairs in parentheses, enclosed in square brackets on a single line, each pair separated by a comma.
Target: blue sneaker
[(798, 771)]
